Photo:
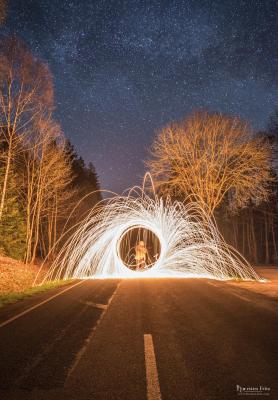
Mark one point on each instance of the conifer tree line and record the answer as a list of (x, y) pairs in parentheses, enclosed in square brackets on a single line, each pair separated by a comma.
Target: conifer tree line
[(41, 176)]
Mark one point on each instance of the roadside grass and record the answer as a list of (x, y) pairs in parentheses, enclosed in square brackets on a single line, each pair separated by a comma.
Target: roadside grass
[(13, 297)]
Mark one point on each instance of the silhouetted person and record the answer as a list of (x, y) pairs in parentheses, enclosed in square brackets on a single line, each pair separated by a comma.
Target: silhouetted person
[(140, 255)]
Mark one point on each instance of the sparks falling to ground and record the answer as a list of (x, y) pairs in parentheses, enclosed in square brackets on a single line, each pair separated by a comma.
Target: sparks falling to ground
[(189, 243)]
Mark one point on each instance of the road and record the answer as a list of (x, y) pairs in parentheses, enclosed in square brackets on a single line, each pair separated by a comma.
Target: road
[(146, 339)]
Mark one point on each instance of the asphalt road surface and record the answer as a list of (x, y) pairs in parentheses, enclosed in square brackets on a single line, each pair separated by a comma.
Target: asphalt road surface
[(146, 339)]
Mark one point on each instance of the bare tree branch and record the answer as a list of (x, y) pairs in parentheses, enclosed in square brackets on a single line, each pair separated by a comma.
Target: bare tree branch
[(212, 157)]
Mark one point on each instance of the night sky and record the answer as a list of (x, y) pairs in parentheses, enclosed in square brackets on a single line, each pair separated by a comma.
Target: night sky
[(122, 69)]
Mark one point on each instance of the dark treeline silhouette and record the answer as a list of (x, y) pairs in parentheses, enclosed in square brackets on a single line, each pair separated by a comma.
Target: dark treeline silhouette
[(85, 184), (254, 230)]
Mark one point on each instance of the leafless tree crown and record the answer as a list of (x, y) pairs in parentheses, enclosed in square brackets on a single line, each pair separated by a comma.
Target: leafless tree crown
[(211, 157)]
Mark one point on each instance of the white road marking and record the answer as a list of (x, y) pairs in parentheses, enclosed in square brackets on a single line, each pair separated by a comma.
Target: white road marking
[(153, 389), (94, 305), (213, 284), (231, 291), (8, 321), (240, 296), (83, 349)]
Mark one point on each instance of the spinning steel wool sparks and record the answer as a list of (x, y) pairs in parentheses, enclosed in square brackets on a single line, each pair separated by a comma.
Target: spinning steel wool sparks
[(181, 240)]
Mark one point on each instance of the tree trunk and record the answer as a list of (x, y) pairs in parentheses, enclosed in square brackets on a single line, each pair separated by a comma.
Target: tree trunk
[(243, 238), (266, 238), (253, 235), (273, 239), (5, 183), (235, 233)]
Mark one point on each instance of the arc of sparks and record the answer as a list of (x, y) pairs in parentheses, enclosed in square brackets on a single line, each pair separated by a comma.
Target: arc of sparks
[(190, 243)]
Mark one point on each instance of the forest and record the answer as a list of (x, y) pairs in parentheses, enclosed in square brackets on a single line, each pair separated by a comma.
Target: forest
[(41, 176)]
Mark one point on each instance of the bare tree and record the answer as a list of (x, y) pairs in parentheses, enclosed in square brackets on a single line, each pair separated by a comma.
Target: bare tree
[(25, 94), (212, 157), (3, 10), (46, 190), (59, 194)]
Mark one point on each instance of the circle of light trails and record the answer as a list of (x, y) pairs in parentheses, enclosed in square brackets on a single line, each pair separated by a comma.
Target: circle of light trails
[(191, 245)]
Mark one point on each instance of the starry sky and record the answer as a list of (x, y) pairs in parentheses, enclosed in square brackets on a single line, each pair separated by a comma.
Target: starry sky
[(124, 68)]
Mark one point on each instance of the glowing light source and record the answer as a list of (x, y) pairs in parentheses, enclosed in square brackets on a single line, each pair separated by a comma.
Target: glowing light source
[(128, 243), (189, 242)]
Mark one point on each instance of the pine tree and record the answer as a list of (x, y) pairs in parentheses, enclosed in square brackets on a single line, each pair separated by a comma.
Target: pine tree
[(85, 177), (12, 226)]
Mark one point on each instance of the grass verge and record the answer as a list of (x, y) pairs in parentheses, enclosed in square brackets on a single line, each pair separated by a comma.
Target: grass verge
[(13, 297)]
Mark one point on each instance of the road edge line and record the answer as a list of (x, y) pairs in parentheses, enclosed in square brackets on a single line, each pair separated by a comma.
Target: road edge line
[(8, 321)]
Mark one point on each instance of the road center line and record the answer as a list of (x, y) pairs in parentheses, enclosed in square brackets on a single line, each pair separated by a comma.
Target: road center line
[(153, 389), (8, 321)]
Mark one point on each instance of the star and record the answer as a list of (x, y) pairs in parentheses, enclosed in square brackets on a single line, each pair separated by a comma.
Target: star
[(122, 70)]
